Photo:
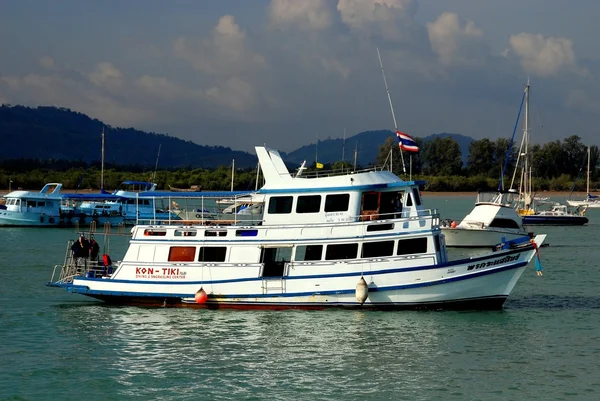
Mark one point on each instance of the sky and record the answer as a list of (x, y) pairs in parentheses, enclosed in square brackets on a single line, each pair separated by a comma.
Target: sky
[(285, 73)]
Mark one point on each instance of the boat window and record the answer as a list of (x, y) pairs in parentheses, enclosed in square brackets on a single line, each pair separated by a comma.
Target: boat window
[(274, 261), (341, 251), (246, 233), (280, 204), (413, 245), (309, 252), (215, 233), (370, 201), (380, 227), (379, 248), (31, 203), (308, 204), (41, 203), (504, 223), (409, 201), (337, 203), (158, 233), (212, 254), (185, 233), (182, 253), (417, 196)]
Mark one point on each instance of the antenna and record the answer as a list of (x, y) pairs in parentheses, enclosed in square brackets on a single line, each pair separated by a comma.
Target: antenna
[(344, 145), (156, 164), (102, 165), (391, 106)]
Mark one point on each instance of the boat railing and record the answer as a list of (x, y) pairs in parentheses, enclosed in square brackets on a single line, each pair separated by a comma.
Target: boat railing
[(335, 172), (78, 266)]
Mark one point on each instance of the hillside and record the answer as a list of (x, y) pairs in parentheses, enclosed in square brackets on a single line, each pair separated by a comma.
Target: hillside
[(367, 145), (61, 134), (50, 133)]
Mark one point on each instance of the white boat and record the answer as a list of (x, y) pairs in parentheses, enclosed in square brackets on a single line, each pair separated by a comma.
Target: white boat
[(326, 241), (29, 208), (493, 220), (591, 201), (133, 202)]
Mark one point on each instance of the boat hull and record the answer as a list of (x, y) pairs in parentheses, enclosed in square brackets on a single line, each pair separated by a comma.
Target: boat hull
[(472, 238), (474, 283)]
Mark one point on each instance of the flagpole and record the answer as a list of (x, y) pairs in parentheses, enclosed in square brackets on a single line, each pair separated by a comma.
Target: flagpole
[(391, 106)]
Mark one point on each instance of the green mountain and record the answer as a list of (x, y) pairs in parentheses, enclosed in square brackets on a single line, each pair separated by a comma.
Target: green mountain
[(61, 134), (366, 145), (50, 133)]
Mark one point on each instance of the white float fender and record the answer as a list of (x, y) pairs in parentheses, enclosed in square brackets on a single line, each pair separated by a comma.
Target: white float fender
[(362, 290)]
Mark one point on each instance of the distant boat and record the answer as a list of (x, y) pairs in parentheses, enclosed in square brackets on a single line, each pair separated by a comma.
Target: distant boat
[(128, 205), (528, 206), (591, 201), (29, 208), (493, 220)]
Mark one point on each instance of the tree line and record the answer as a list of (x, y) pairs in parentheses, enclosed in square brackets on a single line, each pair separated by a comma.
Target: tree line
[(555, 166)]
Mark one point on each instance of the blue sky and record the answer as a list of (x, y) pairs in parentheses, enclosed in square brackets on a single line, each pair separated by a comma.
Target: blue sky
[(282, 72)]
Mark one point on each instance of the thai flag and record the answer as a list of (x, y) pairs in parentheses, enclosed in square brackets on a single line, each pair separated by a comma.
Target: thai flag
[(406, 142)]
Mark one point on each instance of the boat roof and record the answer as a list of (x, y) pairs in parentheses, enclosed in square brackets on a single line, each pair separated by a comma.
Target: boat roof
[(278, 178)]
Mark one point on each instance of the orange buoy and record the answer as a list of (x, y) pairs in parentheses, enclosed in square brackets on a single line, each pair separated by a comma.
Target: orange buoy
[(201, 296)]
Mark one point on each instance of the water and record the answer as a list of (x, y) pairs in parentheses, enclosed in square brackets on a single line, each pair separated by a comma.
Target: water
[(544, 345)]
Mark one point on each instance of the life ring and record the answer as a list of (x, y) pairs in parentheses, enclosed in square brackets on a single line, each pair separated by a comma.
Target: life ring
[(51, 220)]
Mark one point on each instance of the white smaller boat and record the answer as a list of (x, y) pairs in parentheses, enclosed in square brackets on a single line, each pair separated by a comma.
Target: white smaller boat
[(133, 202), (29, 208), (493, 220), (591, 201)]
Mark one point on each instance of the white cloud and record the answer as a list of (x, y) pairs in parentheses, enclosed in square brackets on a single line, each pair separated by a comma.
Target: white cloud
[(389, 19), (225, 52), (47, 62), (545, 56), (106, 74), (304, 14), (455, 44)]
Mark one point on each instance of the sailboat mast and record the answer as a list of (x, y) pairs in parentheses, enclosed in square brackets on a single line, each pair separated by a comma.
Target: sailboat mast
[(102, 164), (528, 185), (588, 173)]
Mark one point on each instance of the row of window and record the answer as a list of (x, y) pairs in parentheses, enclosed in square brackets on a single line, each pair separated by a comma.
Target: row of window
[(340, 202), (311, 252), (308, 203), (27, 202)]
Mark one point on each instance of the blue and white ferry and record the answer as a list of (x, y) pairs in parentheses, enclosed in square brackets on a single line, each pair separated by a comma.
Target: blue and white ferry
[(355, 240), (31, 208)]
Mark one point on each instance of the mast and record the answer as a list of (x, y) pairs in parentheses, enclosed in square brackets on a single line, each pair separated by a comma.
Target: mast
[(588, 174), (156, 164), (344, 145), (102, 165), (391, 106), (526, 167), (232, 172)]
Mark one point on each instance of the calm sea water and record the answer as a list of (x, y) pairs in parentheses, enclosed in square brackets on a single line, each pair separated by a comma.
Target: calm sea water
[(544, 345)]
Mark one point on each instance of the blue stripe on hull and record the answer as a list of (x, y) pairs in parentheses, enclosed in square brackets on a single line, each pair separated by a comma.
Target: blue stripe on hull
[(173, 298)]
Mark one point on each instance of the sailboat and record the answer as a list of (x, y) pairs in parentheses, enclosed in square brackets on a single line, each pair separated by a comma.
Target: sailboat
[(592, 201), (527, 206)]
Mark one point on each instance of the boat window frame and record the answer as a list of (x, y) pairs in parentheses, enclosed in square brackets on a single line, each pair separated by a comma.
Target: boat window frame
[(280, 204), (336, 202), (306, 204), (185, 253)]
